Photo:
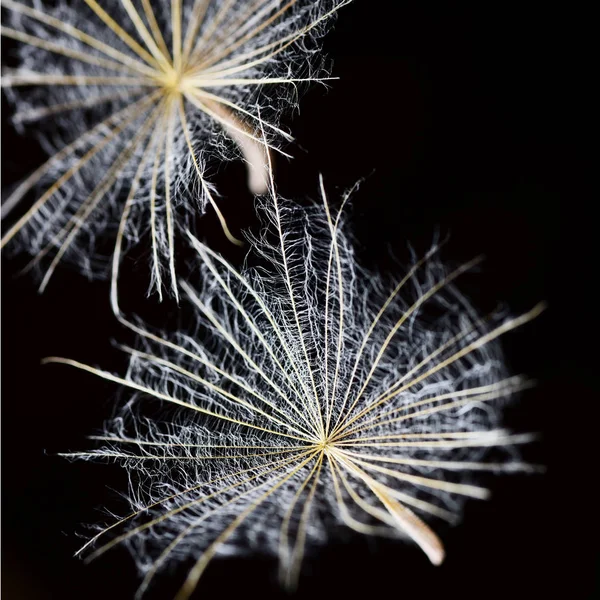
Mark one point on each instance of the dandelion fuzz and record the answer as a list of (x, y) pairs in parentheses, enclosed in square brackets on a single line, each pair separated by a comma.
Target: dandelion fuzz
[(136, 96), (319, 397)]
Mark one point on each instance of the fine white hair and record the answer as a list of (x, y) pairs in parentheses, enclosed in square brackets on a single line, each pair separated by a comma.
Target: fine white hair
[(132, 99), (306, 393)]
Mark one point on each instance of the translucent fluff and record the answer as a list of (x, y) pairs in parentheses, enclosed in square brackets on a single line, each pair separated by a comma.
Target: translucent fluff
[(132, 98), (306, 394)]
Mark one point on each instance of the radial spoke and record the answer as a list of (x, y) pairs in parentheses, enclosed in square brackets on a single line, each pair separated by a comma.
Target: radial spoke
[(498, 331), (209, 82), (451, 465), (210, 60), (153, 505), (79, 35), (369, 333), (350, 521), (382, 515), (153, 192), (427, 482), (40, 113), (298, 551), (205, 189), (194, 575), (404, 518), (156, 32), (194, 24), (172, 119), (121, 440), (144, 34), (219, 99), (212, 27), (90, 204), (177, 348), (121, 33), (285, 524), (177, 39), (37, 175), (482, 441), (288, 281), (334, 253), (202, 250), (25, 79), (187, 530), (243, 57), (430, 357), (68, 52), (123, 455), (231, 340), (171, 513), (421, 505), (116, 259), (494, 391), (203, 56), (284, 42), (434, 289), (239, 25), (224, 393), (167, 398)]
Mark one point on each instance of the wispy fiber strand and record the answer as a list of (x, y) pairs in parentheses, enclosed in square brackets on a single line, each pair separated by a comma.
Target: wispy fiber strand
[(306, 394), (132, 98)]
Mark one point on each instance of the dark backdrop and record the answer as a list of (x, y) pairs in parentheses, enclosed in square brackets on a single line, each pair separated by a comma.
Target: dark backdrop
[(456, 118)]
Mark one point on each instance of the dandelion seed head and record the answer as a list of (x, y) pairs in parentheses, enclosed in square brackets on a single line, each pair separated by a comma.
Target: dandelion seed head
[(132, 99), (307, 395)]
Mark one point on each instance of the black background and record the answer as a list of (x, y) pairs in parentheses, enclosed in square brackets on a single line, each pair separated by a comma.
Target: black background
[(460, 120)]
